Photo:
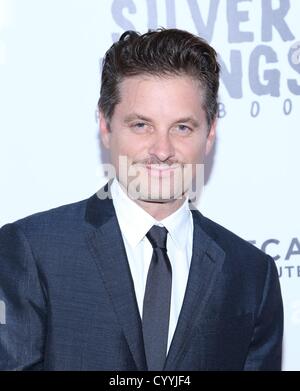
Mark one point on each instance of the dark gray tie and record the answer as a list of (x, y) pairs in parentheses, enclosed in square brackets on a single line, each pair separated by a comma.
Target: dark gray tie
[(156, 307)]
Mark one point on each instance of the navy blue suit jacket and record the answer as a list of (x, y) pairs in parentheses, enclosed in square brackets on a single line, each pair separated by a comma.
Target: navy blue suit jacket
[(70, 301)]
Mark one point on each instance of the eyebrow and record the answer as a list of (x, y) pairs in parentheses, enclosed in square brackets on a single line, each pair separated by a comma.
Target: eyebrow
[(191, 120), (135, 116)]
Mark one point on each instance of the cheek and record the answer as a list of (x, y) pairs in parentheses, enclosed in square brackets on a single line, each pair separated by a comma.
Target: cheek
[(126, 145), (192, 151)]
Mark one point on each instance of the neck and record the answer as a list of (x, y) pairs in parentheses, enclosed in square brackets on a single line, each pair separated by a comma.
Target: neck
[(160, 210)]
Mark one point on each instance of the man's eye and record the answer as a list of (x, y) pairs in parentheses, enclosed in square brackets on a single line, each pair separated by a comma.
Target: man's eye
[(139, 125), (184, 129)]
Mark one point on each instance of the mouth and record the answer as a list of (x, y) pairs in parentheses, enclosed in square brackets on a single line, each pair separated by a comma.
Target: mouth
[(161, 170)]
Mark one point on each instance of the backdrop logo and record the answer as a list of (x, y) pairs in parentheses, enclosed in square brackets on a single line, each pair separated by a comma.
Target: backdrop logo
[(286, 255), (267, 58), (295, 54)]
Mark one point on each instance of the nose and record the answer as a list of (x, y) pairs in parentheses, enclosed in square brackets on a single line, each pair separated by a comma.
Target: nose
[(161, 146)]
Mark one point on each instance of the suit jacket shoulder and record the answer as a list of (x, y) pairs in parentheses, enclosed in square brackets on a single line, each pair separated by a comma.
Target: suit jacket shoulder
[(56, 218), (238, 250)]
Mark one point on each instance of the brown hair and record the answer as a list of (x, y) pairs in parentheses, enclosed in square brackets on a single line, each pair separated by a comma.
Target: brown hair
[(160, 52)]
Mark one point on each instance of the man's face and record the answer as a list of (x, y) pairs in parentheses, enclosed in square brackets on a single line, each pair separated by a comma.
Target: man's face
[(157, 135)]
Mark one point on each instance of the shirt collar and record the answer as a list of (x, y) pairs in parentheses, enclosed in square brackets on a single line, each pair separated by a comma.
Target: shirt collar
[(135, 222)]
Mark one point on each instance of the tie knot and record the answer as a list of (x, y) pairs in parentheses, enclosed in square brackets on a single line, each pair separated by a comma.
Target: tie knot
[(158, 237)]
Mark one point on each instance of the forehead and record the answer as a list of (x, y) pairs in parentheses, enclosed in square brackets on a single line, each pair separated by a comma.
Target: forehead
[(129, 83), (160, 93)]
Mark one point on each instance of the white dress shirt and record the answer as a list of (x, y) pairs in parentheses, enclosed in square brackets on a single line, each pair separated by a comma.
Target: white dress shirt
[(135, 223)]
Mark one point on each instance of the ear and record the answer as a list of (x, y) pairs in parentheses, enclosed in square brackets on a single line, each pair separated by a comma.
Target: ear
[(104, 131), (211, 137)]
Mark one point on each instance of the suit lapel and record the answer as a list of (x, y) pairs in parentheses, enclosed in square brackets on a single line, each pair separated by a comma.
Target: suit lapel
[(107, 247), (206, 263)]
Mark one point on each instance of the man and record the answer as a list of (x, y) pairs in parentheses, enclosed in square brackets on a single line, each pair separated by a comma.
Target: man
[(134, 278)]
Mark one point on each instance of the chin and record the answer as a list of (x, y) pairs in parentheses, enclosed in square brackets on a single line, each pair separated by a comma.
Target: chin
[(157, 191)]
